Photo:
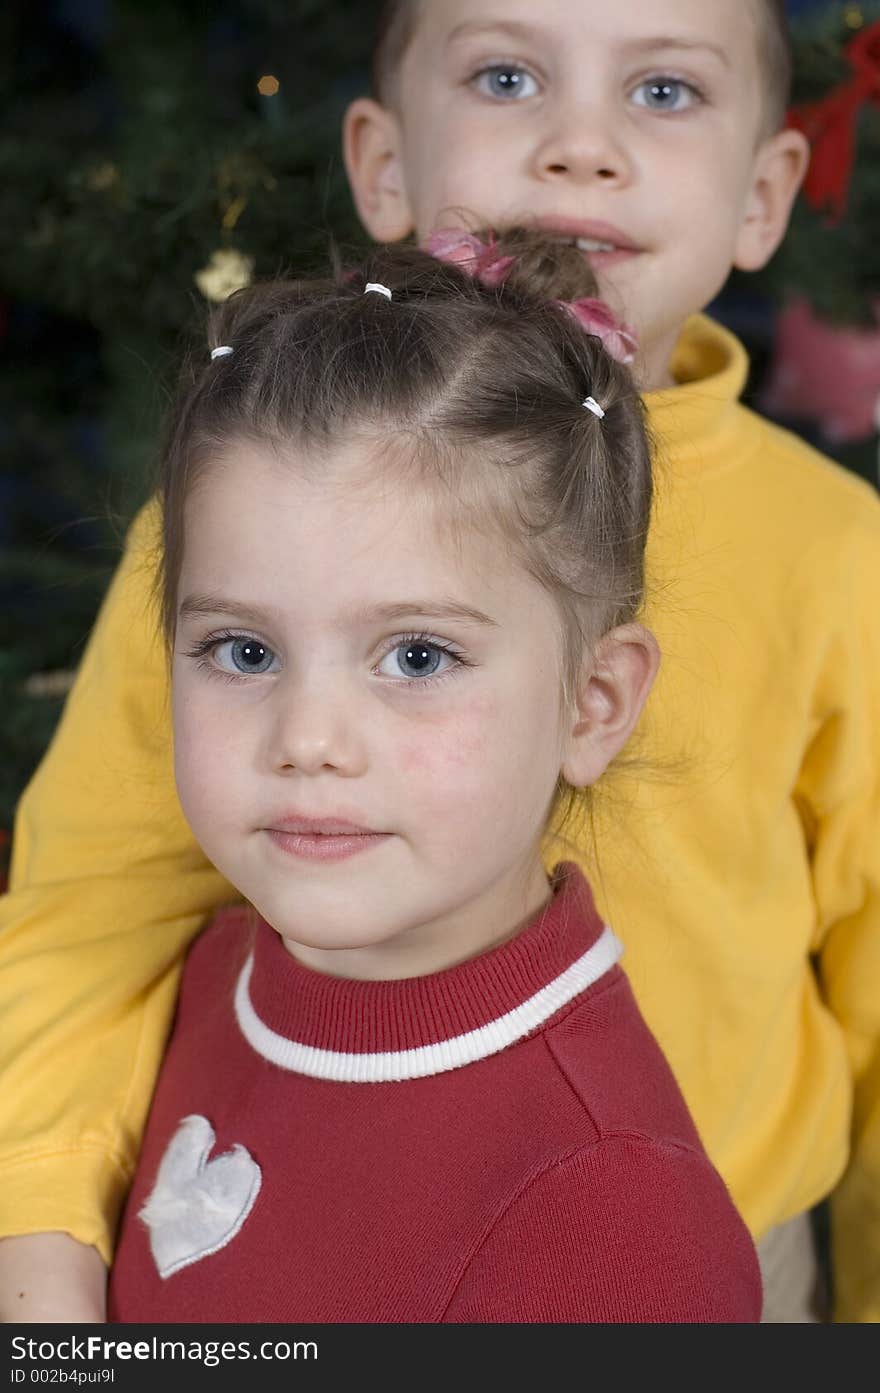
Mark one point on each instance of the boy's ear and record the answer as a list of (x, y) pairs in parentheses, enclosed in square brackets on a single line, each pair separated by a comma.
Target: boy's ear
[(780, 165), (372, 147), (613, 686)]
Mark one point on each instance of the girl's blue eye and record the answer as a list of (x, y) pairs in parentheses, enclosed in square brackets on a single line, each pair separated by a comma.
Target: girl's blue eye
[(507, 81), (415, 659), (665, 94), (245, 655)]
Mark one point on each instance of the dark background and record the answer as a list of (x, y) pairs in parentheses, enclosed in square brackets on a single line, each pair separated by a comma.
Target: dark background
[(135, 146)]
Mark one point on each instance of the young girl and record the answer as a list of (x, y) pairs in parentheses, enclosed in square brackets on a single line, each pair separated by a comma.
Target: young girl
[(404, 522)]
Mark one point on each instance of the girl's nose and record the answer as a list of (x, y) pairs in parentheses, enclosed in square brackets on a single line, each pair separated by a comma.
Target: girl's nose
[(316, 727), (582, 143)]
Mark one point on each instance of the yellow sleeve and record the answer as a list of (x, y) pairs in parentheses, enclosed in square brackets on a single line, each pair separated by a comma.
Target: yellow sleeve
[(839, 791), (107, 888)]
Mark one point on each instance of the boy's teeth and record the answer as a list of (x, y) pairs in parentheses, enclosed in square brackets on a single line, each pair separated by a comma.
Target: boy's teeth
[(592, 244)]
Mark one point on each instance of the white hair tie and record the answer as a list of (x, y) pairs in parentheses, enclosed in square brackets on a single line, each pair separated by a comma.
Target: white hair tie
[(592, 405), (379, 289), (223, 351)]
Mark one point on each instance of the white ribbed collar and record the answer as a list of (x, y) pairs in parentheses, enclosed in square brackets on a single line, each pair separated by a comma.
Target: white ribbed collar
[(436, 1058)]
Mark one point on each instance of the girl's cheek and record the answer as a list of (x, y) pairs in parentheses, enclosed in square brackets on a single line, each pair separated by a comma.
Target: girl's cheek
[(437, 758), (464, 742), (206, 750)]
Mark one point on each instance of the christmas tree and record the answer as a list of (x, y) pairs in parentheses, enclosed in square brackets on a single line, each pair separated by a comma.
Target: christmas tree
[(831, 251), (824, 282), (146, 167)]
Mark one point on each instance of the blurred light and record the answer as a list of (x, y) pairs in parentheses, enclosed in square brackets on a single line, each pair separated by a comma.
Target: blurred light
[(233, 213), (102, 176), (853, 17), (268, 85)]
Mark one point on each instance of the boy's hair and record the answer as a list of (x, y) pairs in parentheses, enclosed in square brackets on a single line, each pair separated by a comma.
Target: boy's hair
[(394, 29), (397, 19), (474, 391), (775, 55)]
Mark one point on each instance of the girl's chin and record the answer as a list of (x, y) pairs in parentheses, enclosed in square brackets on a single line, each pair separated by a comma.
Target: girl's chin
[(311, 946)]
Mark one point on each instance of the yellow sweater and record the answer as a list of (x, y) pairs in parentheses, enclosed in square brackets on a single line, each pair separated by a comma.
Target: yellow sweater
[(739, 863)]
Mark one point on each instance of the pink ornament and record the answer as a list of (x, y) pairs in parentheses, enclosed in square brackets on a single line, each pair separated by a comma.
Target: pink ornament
[(826, 373)]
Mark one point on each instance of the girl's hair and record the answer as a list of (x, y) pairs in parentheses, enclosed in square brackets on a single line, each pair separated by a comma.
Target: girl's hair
[(479, 389)]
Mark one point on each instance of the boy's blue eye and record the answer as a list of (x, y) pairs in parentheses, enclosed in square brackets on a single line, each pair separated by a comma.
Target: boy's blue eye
[(245, 655), (665, 94), (506, 80), (415, 659)]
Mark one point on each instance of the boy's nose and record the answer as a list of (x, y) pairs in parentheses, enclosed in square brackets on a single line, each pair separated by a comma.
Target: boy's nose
[(581, 146), (315, 728)]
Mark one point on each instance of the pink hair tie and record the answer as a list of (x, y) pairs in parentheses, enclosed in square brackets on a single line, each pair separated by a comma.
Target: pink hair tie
[(479, 260), (594, 316), (475, 258)]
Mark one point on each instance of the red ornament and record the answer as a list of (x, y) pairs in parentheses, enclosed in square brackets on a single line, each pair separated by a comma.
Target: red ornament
[(825, 373), (830, 125)]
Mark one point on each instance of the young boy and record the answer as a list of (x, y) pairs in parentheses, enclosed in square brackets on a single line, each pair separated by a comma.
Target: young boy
[(649, 132)]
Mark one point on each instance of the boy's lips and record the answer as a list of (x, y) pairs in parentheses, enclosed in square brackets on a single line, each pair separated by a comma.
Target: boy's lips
[(602, 242)]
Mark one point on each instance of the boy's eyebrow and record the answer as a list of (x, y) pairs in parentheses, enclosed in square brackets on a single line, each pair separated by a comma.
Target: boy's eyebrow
[(653, 44), (667, 41), (206, 605), (469, 27)]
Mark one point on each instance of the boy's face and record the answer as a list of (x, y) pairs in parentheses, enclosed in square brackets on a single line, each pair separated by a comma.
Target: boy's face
[(633, 126)]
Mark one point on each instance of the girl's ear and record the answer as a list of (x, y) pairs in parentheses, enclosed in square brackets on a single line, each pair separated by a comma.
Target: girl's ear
[(780, 165), (372, 147), (613, 685)]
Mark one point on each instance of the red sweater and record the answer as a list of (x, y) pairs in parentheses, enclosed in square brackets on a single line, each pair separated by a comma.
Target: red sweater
[(502, 1141)]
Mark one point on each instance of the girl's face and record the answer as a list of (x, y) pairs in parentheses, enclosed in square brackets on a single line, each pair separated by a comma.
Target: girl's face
[(367, 716)]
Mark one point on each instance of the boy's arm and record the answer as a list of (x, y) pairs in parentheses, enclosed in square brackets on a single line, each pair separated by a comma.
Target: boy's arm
[(839, 789), (51, 1277), (107, 889)]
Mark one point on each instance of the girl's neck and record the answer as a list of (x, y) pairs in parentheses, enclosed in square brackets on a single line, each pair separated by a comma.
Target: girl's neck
[(492, 917)]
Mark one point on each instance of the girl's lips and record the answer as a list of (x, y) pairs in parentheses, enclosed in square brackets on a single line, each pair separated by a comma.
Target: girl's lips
[(324, 846)]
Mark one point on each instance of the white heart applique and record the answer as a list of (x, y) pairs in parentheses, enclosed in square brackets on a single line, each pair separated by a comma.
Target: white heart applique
[(198, 1206)]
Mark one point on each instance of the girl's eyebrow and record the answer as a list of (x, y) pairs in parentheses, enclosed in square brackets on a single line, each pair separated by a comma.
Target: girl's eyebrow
[(430, 609), (195, 606), (208, 605)]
